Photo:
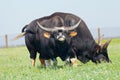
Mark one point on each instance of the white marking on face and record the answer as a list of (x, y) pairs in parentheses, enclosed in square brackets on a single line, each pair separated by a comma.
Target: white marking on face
[(60, 37)]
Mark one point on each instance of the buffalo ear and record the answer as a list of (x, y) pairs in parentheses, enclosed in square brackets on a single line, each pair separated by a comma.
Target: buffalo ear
[(106, 44), (46, 35), (73, 33)]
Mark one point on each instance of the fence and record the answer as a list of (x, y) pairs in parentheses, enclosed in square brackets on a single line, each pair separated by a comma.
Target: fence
[(6, 41)]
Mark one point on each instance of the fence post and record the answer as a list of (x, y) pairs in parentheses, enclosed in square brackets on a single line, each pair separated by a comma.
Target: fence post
[(6, 40)]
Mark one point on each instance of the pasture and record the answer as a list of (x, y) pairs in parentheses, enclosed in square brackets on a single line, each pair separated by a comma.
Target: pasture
[(15, 65)]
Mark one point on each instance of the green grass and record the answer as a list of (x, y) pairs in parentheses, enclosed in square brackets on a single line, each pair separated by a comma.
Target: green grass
[(15, 65)]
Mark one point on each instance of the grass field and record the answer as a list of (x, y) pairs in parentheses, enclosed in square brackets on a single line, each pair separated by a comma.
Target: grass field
[(15, 65)]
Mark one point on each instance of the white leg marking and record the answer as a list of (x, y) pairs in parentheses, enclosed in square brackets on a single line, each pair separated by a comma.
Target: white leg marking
[(54, 62), (47, 63)]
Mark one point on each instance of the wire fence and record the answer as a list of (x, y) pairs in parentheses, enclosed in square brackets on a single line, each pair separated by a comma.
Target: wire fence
[(6, 41)]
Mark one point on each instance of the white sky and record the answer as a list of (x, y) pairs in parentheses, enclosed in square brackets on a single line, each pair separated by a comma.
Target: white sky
[(15, 14)]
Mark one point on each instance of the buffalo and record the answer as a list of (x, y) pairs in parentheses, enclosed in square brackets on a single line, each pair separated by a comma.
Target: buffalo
[(62, 35), (87, 48), (49, 37)]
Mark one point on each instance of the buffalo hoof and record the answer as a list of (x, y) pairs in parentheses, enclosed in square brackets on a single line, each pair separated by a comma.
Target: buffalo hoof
[(74, 62), (33, 62)]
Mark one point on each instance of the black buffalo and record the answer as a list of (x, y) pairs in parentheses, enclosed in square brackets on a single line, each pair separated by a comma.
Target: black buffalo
[(87, 49), (50, 37), (62, 35)]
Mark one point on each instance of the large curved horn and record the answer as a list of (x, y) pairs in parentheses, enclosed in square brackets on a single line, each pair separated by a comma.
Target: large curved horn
[(73, 27), (46, 29), (58, 28), (99, 42), (50, 29), (68, 28), (107, 43), (100, 37)]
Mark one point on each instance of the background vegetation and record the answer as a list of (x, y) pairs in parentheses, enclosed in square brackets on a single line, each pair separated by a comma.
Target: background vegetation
[(15, 65)]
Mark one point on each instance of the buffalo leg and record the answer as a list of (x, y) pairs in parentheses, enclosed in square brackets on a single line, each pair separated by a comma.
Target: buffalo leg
[(42, 61), (33, 57), (30, 43)]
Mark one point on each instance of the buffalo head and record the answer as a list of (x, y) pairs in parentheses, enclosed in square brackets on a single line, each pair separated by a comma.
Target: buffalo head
[(88, 49), (59, 33), (101, 50)]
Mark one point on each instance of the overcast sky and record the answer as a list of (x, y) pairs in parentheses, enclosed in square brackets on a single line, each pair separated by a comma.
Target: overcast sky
[(15, 14)]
